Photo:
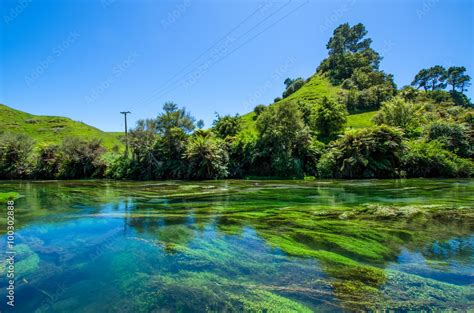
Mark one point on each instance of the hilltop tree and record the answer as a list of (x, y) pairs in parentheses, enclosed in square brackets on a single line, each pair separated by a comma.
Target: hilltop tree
[(457, 78), (348, 51), (421, 79), (433, 78), (292, 85)]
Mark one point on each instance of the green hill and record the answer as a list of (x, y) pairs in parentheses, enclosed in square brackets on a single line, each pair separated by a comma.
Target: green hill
[(314, 90), (51, 129)]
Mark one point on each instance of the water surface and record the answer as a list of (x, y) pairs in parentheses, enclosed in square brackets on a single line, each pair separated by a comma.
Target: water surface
[(233, 246)]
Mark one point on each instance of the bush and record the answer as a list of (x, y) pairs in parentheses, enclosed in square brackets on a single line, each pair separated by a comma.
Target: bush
[(365, 153), (453, 137), (227, 126), (15, 156), (329, 117), (258, 110), (400, 113), (81, 159), (207, 157), (430, 159), (48, 162)]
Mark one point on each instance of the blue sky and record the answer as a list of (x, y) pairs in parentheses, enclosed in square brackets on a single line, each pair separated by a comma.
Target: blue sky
[(89, 60)]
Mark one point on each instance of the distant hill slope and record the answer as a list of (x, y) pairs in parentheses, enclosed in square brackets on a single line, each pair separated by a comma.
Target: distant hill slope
[(51, 129), (315, 90)]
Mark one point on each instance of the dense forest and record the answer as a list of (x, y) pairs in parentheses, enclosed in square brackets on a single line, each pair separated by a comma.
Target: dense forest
[(422, 130)]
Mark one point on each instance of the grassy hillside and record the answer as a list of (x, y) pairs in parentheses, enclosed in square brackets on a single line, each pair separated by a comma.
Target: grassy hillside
[(51, 129), (314, 90)]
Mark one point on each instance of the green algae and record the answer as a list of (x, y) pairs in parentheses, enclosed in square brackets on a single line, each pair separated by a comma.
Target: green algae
[(218, 246), (5, 196)]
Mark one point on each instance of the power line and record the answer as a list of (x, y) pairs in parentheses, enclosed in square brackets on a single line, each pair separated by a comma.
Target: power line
[(204, 52), (126, 130), (243, 44), (163, 91)]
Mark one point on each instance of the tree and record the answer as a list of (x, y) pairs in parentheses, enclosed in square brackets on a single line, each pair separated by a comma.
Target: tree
[(282, 134), (421, 79), (172, 117), (437, 77), (48, 162), (457, 78), (433, 77), (81, 159), (227, 126), (292, 85), (349, 50), (329, 117), (207, 157), (399, 113), (15, 152), (173, 125), (200, 124), (258, 110)]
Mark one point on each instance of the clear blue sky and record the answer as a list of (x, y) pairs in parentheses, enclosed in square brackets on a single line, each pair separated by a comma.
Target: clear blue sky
[(89, 60)]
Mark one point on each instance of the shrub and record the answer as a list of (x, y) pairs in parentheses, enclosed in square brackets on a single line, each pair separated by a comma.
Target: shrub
[(453, 137), (430, 159), (329, 117), (15, 156), (227, 126), (81, 159), (48, 162), (258, 110), (207, 157), (364, 153), (400, 113)]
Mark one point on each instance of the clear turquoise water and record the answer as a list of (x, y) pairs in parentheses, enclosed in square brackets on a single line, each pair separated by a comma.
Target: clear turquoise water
[(232, 246)]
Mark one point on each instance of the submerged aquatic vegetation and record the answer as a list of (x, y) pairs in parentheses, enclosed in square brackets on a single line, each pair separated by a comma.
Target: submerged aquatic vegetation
[(249, 245)]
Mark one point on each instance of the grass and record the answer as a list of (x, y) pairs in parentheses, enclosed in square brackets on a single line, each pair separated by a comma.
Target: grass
[(314, 91), (360, 120), (52, 129)]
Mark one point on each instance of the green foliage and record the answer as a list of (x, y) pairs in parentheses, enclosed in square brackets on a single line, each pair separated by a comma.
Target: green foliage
[(438, 78), (365, 153), (292, 85), (258, 110), (453, 136), (227, 126), (6, 196), (15, 152), (329, 117), (349, 51), (81, 159), (282, 133), (400, 113), (430, 159), (48, 162), (354, 65), (207, 157), (456, 77)]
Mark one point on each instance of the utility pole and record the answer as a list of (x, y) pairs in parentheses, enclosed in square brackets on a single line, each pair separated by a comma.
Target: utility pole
[(126, 130)]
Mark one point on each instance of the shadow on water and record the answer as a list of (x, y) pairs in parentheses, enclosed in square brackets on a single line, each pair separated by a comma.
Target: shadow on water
[(243, 245)]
